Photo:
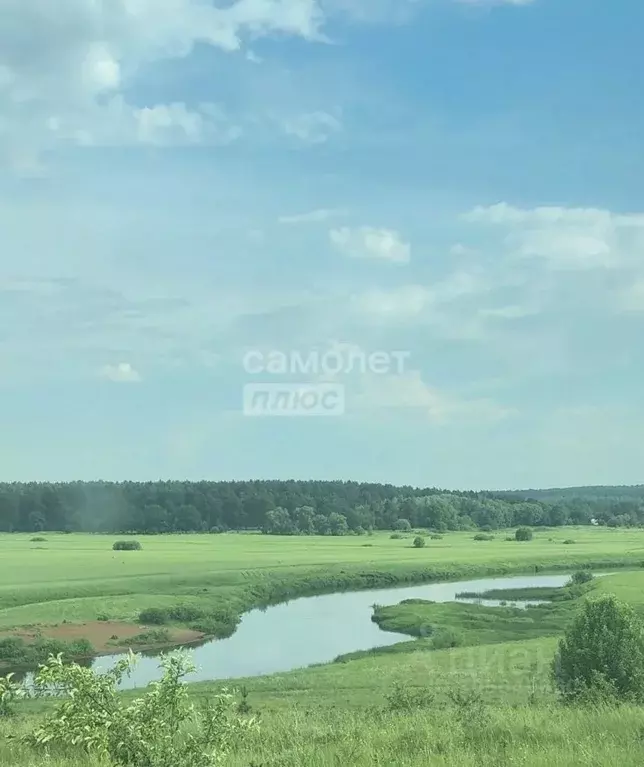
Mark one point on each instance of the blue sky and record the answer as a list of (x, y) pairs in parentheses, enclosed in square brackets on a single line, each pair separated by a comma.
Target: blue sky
[(183, 182)]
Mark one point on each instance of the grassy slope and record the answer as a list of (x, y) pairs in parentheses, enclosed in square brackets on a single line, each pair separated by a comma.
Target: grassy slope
[(77, 577), (333, 714)]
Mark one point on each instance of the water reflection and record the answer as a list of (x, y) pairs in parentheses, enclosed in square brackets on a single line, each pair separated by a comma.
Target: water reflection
[(310, 630)]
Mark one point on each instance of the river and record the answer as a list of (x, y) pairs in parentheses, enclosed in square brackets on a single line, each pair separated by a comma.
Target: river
[(311, 630)]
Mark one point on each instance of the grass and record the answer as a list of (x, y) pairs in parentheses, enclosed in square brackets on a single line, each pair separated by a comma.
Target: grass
[(236, 571), (488, 703)]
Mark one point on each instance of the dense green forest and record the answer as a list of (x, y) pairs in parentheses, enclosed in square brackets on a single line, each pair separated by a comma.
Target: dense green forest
[(300, 507)]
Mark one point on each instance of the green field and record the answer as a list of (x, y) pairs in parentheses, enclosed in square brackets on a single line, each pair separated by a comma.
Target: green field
[(76, 577), (488, 702)]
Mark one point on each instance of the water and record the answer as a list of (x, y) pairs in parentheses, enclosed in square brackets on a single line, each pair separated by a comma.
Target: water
[(312, 630)]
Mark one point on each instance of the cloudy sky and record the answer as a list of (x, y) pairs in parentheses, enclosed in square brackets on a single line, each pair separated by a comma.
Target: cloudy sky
[(187, 182)]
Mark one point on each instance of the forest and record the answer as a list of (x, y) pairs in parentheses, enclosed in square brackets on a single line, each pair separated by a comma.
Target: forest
[(295, 507)]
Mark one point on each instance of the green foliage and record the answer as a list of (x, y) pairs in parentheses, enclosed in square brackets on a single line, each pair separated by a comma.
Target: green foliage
[(10, 693), (601, 655), (419, 542), (568, 542), (580, 577), (523, 534), (436, 537), (14, 651), (402, 697), (152, 637), (163, 728), (126, 546), (396, 536), (37, 539), (402, 525), (483, 537)]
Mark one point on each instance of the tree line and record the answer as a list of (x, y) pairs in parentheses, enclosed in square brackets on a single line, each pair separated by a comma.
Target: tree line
[(295, 507)]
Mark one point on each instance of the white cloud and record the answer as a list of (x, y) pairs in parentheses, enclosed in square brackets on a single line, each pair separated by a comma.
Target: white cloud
[(566, 239), (312, 127), (404, 303), (369, 242), (62, 65), (409, 392), (123, 372), (321, 214)]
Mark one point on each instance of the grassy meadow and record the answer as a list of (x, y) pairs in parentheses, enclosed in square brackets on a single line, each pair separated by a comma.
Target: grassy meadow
[(489, 701), (77, 577)]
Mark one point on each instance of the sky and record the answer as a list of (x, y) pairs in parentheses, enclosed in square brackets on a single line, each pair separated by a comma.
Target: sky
[(433, 207)]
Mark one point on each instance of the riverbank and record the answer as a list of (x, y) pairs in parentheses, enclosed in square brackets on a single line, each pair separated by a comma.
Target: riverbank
[(228, 593)]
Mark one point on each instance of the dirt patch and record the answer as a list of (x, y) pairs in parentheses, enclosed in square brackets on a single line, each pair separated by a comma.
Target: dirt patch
[(102, 634)]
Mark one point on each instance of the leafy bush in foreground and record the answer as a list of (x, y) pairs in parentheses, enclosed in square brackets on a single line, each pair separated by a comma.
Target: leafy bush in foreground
[(127, 546), (601, 656), (10, 693), (419, 542), (160, 729), (523, 534)]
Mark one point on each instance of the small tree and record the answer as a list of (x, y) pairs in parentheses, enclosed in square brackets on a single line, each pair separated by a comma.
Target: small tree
[(419, 542), (160, 728), (402, 525), (523, 534), (602, 654)]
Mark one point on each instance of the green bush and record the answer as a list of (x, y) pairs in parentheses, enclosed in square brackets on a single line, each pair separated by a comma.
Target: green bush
[(396, 536), (568, 541), (419, 542), (601, 656), (523, 534), (10, 693), (155, 616), (580, 578), (37, 539), (436, 537), (404, 698), (483, 537), (161, 728), (402, 525), (127, 546)]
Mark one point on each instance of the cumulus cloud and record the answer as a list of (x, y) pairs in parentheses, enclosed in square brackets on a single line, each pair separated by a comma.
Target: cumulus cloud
[(62, 66), (123, 372), (369, 242), (566, 238)]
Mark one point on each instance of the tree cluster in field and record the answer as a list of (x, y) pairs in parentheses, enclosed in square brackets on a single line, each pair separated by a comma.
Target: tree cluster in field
[(300, 507)]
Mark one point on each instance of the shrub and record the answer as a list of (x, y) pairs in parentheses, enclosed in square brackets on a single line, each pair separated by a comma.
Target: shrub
[(102, 617), (10, 693), (601, 656), (396, 536), (436, 537), (155, 616), (580, 578), (523, 534), (162, 727), (483, 537), (402, 698), (127, 546), (419, 542), (153, 636), (402, 525), (568, 541), (37, 539)]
